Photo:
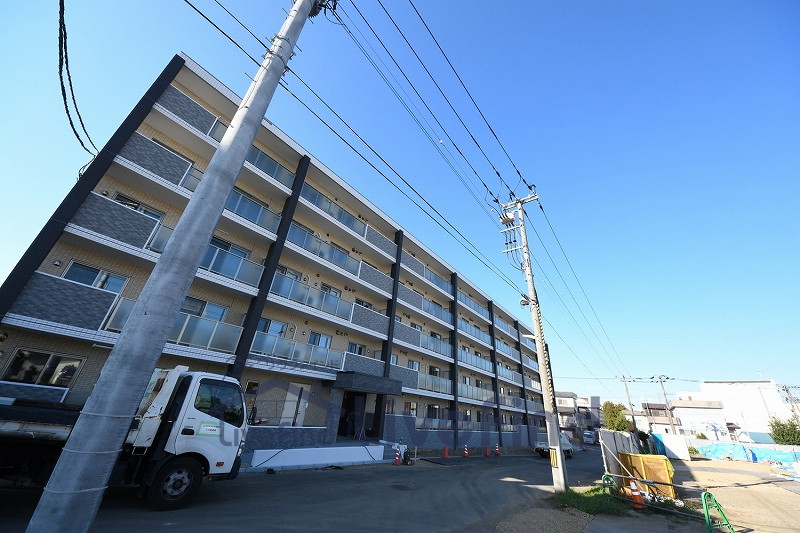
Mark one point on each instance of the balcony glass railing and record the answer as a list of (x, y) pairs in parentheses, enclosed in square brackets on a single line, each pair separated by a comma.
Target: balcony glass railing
[(300, 352), (474, 360), (307, 295), (253, 211), (159, 239), (527, 361), (516, 377), (192, 178), (469, 425), (468, 328), (472, 304), (302, 238), (535, 407), (437, 280), (502, 325), (269, 166), (231, 266), (437, 311), (502, 347), (436, 345), (533, 383), (475, 393), (512, 401), (188, 330), (333, 209), (530, 343), (435, 384)]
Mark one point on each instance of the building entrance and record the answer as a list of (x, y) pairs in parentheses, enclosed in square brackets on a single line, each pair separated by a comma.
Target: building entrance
[(351, 422)]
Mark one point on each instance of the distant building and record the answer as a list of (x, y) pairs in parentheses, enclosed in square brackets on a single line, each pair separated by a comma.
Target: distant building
[(576, 415)]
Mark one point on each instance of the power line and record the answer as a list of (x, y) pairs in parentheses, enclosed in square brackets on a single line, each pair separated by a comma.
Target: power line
[(63, 68)]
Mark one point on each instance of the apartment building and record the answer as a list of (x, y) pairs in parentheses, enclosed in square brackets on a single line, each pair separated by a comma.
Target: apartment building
[(339, 324)]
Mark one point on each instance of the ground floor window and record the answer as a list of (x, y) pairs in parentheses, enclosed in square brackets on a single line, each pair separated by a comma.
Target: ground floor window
[(41, 368)]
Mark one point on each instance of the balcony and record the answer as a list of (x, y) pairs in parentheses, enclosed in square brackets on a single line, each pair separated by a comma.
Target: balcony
[(270, 167), (533, 384), (299, 352), (527, 361), (512, 401), (475, 393), (188, 330), (435, 384), (530, 343), (253, 211), (433, 423), (322, 249), (472, 304), (437, 311), (535, 407), (516, 377), (333, 209), (437, 280), (502, 325), (436, 345), (231, 266), (474, 331), (307, 295), (474, 360), (468, 425)]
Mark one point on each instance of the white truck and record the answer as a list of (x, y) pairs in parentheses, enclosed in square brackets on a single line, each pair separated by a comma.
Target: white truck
[(542, 446), (189, 426)]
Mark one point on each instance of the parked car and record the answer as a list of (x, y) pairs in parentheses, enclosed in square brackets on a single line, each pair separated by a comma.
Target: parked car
[(543, 446), (589, 437)]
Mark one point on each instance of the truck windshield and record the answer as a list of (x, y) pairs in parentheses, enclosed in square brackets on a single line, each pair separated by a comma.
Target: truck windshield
[(222, 400)]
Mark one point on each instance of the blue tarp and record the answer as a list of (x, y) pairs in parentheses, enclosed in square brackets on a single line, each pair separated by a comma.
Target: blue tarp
[(745, 452)]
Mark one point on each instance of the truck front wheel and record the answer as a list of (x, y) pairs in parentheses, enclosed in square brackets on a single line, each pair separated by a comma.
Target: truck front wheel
[(175, 484)]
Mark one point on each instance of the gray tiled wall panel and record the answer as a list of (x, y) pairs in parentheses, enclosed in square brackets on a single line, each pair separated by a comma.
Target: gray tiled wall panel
[(152, 157), (377, 239), (58, 300), (364, 365), (406, 334), (187, 109), (409, 296), (412, 263), (375, 277), (40, 394), (114, 220), (370, 319), (409, 378), (273, 437)]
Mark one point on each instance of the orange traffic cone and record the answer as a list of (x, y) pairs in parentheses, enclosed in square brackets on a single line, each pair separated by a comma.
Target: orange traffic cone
[(466, 451), (446, 452), (486, 452), (638, 501), (397, 456), (497, 449)]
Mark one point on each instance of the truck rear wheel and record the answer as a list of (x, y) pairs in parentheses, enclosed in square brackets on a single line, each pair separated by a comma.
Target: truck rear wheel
[(175, 484)]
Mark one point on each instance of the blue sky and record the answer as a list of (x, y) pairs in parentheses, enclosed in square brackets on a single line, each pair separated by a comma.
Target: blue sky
[(662, 138)]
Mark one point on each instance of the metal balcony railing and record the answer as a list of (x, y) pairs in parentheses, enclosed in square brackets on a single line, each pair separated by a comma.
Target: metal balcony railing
[(231, 266), (300, 352), (310, 296)]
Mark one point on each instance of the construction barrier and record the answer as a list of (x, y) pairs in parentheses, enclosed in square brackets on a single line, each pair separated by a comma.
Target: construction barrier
[(497, 449), (466, 451), (397, 456), (652, 468)]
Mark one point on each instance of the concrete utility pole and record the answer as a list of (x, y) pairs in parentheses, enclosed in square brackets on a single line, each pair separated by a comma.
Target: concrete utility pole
[(72, 496), (661, 380), (511, 211)]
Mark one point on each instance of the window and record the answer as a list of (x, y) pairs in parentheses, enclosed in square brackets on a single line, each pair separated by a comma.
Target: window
[(410, 408), (358, 349), (94, 277), (289, 273), (40, 368), (224, 245), (252, 387), (479, 383), (273, 327), (416, 326), (467, 415), (220, 399), (138, 206), (436, 335), (217, 130), (398, 319), (413, 365), (363, 303), (195, 307), (434, 370), (434, 411), (393, 359), (478, 354), (389, 405), (318, 339), (333, 291), (341, 249), (465, 380)]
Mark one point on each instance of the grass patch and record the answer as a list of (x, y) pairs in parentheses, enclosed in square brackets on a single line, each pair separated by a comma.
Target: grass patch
[(593, 501)]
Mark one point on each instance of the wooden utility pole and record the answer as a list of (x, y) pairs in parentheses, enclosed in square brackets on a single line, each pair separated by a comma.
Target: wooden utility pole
[(72, 496)]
